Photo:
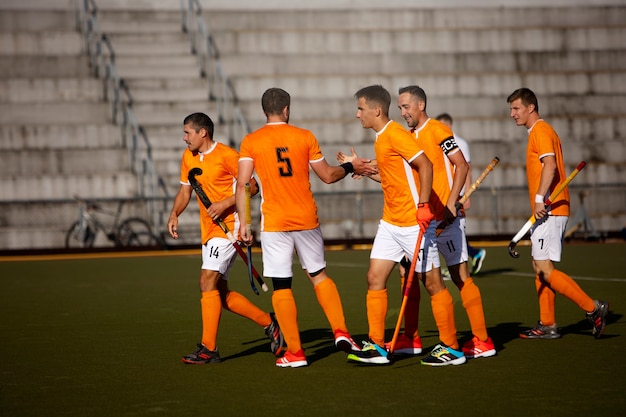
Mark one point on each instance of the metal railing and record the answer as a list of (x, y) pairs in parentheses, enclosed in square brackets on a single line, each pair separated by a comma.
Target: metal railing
[(102, 61), (220, 87)]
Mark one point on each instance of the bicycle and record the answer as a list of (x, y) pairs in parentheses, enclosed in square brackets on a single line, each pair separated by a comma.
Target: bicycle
[(132, 232)]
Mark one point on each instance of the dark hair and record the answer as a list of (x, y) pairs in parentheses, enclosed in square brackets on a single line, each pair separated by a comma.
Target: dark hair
[(376, 94), (444, 116), (415, 90), (527, 97), (274, 100), (200, 121)]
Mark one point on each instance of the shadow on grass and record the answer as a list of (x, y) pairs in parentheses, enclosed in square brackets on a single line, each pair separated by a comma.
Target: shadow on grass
[(494, 271), (319, 343)]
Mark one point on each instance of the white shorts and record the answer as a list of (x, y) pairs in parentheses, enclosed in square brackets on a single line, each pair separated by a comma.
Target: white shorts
[(452, 244), (218, 254), (393, 242), (546, 237), (278, 249)]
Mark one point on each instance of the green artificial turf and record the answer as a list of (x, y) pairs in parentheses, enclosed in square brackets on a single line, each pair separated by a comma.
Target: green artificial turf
[(104, 337)]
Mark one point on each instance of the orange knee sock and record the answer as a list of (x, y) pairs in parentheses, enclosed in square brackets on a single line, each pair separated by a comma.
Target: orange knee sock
[(473, 303), (564, 284), (240, 305), (412, 310), (377, 303), (443, 312), (546, 295), (287, 315), (328, 297), (211, 307)]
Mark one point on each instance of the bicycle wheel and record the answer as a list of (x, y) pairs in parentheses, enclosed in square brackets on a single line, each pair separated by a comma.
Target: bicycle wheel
[(136, 232), (143, 239), (78, 237)]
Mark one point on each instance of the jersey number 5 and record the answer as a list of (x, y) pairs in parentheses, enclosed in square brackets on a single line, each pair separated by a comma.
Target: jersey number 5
[(285, 168)]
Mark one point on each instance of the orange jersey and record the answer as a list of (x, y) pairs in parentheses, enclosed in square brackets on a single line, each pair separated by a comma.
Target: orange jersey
[(218, 179), (437, 140), (543, 141), (282, 154), (395, 148)]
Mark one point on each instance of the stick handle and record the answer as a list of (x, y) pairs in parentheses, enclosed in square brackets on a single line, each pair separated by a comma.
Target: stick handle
[(529, 223), (480, 179), (474, 186), (407, 288), (564, 184), (248, 214), (207, 203)]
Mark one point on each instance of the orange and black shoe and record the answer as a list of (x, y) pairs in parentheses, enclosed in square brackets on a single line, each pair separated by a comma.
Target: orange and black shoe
[(202, 356), (597, 317), (541, 331), (277, 342)]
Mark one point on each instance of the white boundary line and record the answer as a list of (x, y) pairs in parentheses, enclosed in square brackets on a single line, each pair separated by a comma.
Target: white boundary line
[(528, 274)]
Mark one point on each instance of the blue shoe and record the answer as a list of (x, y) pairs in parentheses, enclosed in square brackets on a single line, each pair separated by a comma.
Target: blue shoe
[(371, 353), (443, 355), (478, 261)]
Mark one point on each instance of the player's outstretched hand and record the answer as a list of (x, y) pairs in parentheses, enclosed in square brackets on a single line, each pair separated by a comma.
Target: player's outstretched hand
[(364, 167)]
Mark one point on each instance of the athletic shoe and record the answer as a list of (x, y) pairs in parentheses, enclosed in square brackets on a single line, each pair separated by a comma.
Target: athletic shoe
[(478, 261), (443, 355), (371, 353), (344, 342), (476, 348), (202, 356), (541, 331), (272, 331), (406, 345), (292, 360), (598, 317)]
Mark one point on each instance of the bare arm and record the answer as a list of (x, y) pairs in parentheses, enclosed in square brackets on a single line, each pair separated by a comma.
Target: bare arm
[(181, 201), (330, 174), (468, 184), (246, 167), (460, 179), (547, 176), (425, 170)]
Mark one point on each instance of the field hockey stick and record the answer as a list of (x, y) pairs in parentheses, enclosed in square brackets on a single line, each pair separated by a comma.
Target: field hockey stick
[(547, 203), (475, 185), (207, 203), (248, 232), (407, 288)]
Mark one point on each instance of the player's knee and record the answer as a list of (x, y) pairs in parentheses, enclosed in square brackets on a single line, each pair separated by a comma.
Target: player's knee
[(282, 283)]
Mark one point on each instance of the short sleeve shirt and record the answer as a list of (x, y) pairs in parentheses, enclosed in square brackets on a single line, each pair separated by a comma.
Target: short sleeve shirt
[(395, 148), (281, 154), (544, 141), (219, 167)]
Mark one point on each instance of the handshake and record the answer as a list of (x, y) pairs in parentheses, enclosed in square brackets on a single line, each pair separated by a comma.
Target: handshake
[(367, 167)]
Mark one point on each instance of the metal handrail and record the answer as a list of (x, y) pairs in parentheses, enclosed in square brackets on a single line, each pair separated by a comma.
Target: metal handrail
[(116, 91), (220, 87)]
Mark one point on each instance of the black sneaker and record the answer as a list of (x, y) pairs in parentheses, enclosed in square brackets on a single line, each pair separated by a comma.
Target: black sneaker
[(541, 331), (202, 356), (598, 317), (371, 353), (272, 331), (443, 355)]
